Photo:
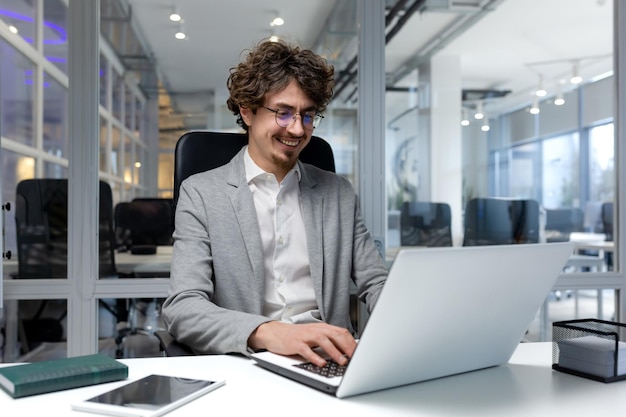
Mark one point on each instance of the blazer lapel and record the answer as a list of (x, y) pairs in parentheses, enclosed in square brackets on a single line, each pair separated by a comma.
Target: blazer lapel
[(243, 205), (312, 211)]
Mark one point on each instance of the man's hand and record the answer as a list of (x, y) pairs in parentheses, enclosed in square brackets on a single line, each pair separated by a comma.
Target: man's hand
[(301, 339)]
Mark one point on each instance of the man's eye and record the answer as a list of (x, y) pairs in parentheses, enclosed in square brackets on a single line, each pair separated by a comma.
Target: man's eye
[(283, 114)]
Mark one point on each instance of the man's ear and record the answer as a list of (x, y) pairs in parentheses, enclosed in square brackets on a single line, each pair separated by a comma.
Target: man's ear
[(246, 115)]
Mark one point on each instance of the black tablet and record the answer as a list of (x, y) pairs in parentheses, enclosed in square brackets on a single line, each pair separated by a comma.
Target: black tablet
[(151, 396)]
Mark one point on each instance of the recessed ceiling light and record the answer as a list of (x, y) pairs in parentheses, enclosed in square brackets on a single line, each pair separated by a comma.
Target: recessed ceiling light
[(278, 21), (180, 35), (175, 17)]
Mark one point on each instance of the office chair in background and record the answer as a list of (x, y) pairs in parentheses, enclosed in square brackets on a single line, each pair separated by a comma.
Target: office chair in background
[(200, 151), (41, 230), (495, 221), (151, 224), (425, 224), (607, 225), (607, 220), (561, 222), (122, 222)]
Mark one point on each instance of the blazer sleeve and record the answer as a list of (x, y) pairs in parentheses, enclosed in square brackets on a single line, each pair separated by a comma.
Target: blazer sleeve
[(207, 320)]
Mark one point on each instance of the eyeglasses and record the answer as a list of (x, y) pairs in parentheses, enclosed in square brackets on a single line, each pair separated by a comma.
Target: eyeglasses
[(285, 118)]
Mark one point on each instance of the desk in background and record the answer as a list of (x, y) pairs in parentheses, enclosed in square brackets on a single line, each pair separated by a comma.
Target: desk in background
[(146, 266), (594, 242), (125, 262), (526, 386)]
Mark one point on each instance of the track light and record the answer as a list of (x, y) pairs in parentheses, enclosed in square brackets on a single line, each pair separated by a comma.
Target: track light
[(479, 111), (465, 120), (540, 92), (534, 109), (576, 78), (180, 33), (277, 21), (175, 16), (559, 100), (485, 127)]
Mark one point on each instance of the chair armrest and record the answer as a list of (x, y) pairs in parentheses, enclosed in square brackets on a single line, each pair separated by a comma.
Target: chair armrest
[(170, 346)]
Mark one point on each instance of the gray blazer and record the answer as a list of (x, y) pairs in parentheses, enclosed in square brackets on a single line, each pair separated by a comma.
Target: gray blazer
[(215, 300)]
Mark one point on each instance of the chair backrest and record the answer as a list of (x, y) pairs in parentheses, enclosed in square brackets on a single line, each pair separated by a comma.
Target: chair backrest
[(495, 221), (561, 222), (607, 219), (200, 151), (122, 223), (425, 224), (151, 221), (41, 226)]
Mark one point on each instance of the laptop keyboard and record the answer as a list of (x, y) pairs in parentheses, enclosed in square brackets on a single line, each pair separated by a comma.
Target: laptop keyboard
[(331, 370)]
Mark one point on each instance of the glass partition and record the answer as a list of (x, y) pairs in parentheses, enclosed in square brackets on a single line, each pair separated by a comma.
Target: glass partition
[(55, 135), (55, 33), (17, 80)]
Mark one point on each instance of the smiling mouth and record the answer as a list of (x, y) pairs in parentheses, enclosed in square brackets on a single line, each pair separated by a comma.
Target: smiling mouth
[(289, 142)]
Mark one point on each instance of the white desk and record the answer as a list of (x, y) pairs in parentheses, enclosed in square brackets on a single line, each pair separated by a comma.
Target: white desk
[(145, 266), (527, 386)]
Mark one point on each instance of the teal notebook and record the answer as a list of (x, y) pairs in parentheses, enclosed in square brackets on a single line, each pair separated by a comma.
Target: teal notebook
[(60, 374)]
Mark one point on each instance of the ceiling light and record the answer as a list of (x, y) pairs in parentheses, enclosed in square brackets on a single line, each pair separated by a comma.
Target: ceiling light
[(576, 78), (180, 35), (278, 21), (465, 121), (541, 92), (175, 16), (274, 38), (485, 127), (13, 29), (534, 109), (559, 100), (479, 111)]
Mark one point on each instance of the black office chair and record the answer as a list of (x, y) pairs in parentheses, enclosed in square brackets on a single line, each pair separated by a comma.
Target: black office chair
[(41, 230), (495, 221), (122, 223), (151, 224), (561, 222), (425, 224), (200, 151), (607, 226), (607, 220)]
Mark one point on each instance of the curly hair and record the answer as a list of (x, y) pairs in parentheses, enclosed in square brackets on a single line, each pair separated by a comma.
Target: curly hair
[(270, 67)]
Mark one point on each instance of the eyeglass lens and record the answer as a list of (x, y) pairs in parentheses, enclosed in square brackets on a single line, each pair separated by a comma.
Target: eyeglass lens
[(286, 117)]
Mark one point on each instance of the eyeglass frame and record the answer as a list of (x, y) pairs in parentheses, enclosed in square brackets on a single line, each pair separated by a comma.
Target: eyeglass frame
[(315, 122)]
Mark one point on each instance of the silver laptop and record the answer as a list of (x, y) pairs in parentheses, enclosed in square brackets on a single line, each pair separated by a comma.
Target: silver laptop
[(443, 311)]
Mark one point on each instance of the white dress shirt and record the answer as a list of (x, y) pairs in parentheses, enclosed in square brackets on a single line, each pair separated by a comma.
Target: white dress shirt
[(289, 293)]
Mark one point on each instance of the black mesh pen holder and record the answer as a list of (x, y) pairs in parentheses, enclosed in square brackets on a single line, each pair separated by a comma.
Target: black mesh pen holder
[(590, 348)]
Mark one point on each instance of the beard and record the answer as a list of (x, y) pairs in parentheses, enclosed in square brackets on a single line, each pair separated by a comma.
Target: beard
[(287, 162)]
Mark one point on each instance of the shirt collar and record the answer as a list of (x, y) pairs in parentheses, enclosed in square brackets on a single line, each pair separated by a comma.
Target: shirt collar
[(253, 170)]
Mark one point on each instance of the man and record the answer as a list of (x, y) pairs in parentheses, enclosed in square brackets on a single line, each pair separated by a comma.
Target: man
[(265, 247)]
